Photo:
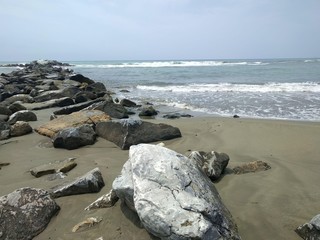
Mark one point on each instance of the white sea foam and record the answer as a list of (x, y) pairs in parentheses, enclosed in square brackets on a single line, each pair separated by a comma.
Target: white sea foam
[(228, 87), (158, 64)]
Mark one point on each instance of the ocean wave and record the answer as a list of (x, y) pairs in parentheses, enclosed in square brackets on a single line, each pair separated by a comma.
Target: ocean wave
[(159, 64), (229, 87)]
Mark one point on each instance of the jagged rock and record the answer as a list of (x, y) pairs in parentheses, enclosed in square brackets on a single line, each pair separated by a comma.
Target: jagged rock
[(81, 79), (148, 111), (127, 132), (90, 182), (172, 196), (212, 163), (86, 224), (76, 107), (23, 115), (105, 201), (25, 213), (127, 103), (74, 137), (310, 230), (63, 166), (254, 166), (20, 128), (60, 102), (16, 107), (112, 109), (72, 120), (4, 130)]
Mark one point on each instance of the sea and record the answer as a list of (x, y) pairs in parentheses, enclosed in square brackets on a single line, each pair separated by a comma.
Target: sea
[(256, 88)]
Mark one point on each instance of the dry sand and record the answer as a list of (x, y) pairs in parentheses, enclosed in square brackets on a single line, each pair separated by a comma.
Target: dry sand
[(265, 205)]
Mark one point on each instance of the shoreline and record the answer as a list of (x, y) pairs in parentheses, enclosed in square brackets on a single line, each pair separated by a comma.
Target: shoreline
[(264, 204)]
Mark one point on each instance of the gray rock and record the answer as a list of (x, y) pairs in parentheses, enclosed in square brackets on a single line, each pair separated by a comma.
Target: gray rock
[(63, 166), (212, 163), (25, 213), (20, 128), (23, 115), (3, 118), (4, 130), (76, 107), (112, 109), (90, 182), (127, 103), (5, 111), (96, 87), (74, 137), (310, 230), (148, 111), (172, 196), (105, 201), (16, 107), (81, 79), (60, 102), (55, 94), (127, 132)]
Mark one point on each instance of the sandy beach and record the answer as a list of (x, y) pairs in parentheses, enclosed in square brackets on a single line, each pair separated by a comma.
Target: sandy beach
[(265, 205)]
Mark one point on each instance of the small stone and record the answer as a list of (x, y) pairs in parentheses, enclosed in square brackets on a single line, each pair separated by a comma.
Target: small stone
[(86, 224), (255, 166)]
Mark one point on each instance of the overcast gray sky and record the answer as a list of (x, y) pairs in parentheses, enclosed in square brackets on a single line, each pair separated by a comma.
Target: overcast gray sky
[(158, 29)]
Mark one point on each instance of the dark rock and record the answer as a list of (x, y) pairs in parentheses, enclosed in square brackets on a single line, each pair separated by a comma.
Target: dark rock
[(20, 128), (75, 107), (124, 91), (16, 107), (23, 115), (176, 115), (112, 109), (80, 99), (81, 79), (127, 103), (310, 230), (5, 111), (255, 166), (75, 119), (91, 182), (3, 118), (96, 87), (55, 94), (84, 96), (236, 116), (63, 166), (75, 137), (3, 164), (60, 102), (125, 133), (5, 95), (25, 213), (173, 198), (212, 163), (4, 130), (148, 112)]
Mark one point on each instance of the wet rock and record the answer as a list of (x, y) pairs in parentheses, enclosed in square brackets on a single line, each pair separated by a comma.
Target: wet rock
[(72, 120), (63, 166), (310, 230), (255, 166), (127, 132), (74, 137), (212, 163), (148, 111), (86, 224), (176, 115), (20, 128), (23, 115), (90, 182), (127, 103), (172, 196), (25, 213), (81, 79), (105, 201)]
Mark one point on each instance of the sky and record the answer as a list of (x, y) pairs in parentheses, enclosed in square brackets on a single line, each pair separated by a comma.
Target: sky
[(73, 30)]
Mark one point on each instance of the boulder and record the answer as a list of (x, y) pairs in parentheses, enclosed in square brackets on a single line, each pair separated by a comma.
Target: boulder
[(63, 166), (4, 130), (55, 94), (72, 120), (112, 109), (25, 98), (96, 87), (310, 230), (127, 132), (105, 201), (23, 115), (127, 103), (81, 79), (212, 163), (148, 111), (20, 128), (5, 111), (76, 107), (74, 137), (16, 107), (254, 166), (84, 96), (59, 102), (172, 196), (90, 182), (25, 213)]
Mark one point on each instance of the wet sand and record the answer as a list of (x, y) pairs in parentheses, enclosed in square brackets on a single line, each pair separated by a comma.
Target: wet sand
[(265, 205)]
